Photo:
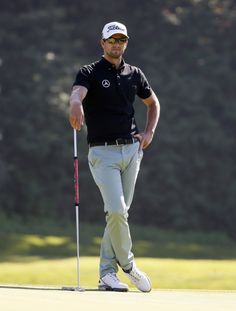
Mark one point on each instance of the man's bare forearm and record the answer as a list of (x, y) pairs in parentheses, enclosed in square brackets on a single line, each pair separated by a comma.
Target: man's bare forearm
[(76, 96), (76, 113), (153, 114)]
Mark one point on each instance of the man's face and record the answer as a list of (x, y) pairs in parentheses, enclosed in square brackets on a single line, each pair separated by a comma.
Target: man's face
[(113, 47)]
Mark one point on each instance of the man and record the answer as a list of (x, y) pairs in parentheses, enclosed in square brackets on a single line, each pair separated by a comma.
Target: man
[(103, 94)]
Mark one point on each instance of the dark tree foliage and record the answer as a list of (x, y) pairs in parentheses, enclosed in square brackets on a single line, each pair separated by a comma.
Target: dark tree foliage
[(186, 49)]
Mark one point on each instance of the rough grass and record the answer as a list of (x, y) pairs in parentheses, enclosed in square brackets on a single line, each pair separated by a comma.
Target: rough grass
[(56, 242)]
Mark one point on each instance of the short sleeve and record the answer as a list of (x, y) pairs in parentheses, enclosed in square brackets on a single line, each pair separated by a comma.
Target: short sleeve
[(144, 89), (83, 77)]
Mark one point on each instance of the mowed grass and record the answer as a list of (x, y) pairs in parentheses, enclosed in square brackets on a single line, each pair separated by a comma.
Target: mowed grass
[(46, 241), (174, 260), (164, 273)]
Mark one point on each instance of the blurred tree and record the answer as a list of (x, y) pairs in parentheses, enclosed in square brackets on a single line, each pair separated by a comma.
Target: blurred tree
[(186, 48)]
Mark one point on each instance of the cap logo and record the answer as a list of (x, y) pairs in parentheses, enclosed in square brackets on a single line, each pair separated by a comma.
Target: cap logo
[(114, 27), (105, 83)]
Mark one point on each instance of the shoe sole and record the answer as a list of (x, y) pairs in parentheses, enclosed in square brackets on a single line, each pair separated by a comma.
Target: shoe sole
[(110, 289)]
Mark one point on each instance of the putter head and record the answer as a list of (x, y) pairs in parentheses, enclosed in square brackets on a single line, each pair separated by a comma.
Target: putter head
[(79, 289), (73, 289)]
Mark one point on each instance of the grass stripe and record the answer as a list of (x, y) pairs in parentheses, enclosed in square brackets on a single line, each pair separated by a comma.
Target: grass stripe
[(164, 273)]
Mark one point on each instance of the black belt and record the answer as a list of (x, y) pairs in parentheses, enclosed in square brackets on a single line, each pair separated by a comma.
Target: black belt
[(117, 142)]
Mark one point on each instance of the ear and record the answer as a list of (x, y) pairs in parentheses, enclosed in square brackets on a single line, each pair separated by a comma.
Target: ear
[(102, 43), (126, 44)]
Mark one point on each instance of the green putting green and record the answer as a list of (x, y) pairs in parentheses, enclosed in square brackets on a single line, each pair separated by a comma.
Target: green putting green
[(38, 299)]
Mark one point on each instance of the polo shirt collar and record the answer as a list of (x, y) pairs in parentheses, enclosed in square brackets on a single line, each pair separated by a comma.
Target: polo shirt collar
[(110, 65)]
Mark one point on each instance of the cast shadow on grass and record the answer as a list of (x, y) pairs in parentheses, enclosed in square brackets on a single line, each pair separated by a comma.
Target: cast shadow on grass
[(17, 247), (46, 288)]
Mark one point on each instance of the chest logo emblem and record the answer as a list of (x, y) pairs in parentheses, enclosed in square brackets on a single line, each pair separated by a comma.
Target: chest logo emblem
[(105, 83)]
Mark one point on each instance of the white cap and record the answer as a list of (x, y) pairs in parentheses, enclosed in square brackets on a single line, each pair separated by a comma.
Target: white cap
[(113, 28)]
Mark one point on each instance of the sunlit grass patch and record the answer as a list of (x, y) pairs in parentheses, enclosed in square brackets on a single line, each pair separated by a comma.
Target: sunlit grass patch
[(164, 273)]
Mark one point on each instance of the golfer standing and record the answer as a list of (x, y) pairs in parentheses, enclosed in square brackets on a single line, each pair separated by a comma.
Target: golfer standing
[(103, 95)]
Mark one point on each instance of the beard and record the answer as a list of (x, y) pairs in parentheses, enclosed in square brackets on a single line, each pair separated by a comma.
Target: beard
[(115, 53)]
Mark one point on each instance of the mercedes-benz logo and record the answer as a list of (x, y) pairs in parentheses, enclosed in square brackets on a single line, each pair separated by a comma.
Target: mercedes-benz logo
[(105, 83)]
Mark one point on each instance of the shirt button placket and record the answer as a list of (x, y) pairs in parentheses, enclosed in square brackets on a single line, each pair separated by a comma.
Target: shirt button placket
[(118, 79)]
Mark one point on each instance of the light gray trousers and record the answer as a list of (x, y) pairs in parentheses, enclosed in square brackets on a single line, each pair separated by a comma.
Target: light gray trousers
[(115, 170)]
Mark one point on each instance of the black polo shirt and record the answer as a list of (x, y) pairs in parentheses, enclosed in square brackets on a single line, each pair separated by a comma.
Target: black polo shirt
[(108, 105)]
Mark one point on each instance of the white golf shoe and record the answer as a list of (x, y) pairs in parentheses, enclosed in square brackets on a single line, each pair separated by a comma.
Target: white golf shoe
[(110, 282), (139, 279)]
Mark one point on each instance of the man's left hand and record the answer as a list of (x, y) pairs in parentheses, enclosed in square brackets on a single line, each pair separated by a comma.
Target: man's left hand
[(145, 139)]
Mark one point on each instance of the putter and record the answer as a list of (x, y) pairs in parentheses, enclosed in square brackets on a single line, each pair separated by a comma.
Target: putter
[(76, 186)]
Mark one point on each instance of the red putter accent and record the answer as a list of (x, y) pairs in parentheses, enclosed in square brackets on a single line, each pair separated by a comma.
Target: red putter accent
[(76, 180)]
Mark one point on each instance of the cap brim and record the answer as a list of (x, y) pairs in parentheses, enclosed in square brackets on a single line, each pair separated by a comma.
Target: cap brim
[(114, 33)]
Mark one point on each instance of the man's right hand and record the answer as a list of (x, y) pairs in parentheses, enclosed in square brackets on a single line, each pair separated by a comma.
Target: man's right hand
[(76, 115)]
